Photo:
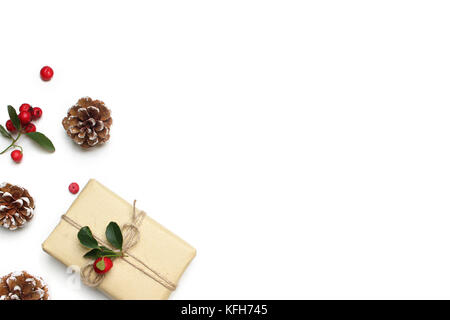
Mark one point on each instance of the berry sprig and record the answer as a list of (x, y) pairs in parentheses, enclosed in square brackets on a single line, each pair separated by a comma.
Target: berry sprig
[(102, 254), (21, 125)]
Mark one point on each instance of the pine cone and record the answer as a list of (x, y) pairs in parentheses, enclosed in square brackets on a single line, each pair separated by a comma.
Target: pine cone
[(22, 286), (88, 122), (16, 206)]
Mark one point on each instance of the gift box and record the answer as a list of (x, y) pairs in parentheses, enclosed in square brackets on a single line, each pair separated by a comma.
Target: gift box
[(151, 269)]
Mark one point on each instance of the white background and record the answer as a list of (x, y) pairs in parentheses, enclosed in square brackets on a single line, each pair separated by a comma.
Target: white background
[(301, 146)]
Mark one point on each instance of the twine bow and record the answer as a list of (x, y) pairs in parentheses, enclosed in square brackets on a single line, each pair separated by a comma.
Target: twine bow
[(131, 237)]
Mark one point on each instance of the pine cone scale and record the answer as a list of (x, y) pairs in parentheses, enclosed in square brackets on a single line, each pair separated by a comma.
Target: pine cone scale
[(99, 126), (94, 112)]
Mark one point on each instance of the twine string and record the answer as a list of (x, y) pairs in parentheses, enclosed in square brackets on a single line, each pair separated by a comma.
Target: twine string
[(131, 237)]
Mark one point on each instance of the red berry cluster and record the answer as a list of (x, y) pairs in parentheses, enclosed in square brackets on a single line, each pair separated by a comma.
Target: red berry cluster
[(21, 124), (27, 114)]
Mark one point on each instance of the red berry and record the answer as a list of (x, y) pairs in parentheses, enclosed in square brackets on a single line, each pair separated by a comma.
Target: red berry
[(37, 113), (30, 128), (16, 155), (103, 265), (10, 126), (25, 107), (74, 188), (24, 117), (46, 73)]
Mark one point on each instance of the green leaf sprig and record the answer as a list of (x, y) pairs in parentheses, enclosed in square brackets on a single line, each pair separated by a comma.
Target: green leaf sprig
[(114, 236), (38, 137)]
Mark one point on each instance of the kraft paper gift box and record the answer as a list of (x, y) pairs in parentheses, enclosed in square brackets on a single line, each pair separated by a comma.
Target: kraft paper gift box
[(166, 254)]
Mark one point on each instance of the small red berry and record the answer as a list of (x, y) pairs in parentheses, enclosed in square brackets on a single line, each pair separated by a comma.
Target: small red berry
[(16, 155), (10, 126), (30, 128), (24, 117), (37, 113), (46, 73), (103, 265), (74, 188), (25, 107)]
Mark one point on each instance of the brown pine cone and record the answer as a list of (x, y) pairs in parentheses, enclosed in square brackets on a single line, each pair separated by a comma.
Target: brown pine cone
[(88, 122), (22, 286), (16, 206)]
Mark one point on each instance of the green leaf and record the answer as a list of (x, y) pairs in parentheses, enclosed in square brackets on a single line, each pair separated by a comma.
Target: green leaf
[(101, 265), (93, 254), (108, 252), (86, 238), (14, 118), (102, 252), (42, 140), (4, 133), (114, 235)]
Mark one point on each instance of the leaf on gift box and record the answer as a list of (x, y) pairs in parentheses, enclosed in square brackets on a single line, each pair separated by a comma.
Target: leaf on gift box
[(4, 133), (42, 140), (101, 252), (108, 252), (14, 118), (93, 254), (106, 249), (114, 235), (86, 238)]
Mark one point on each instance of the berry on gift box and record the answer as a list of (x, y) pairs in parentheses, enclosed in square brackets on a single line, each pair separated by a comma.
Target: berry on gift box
[(103, 265)]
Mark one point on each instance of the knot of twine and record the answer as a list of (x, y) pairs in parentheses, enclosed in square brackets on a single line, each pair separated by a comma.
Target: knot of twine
[(131, 237)]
